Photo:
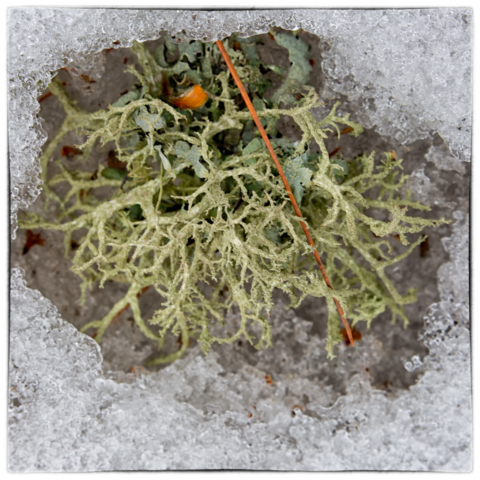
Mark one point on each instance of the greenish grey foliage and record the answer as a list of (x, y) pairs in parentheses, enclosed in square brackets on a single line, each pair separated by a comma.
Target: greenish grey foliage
[(165, 162), (114, 173), (253, 146), (149, 121), (207, 223), (192, 154), (298, 175), (298, 54)]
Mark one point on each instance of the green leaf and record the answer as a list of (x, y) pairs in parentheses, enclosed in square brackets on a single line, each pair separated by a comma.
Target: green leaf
[(192, 155), (276, 69), (340, 167), (298, 175), (135, 212), (127, 98), (297, 77), (114, 173), (143, 91), (131, 96), (252, 185), (284, 143), (132, 141), (180, 67), (159, 56), (171, 46), (166, 164), (148, 121), (249, 49), (181, 148), (193, 77), (190, 50), (301, 180), (272, 234), (253, 146)]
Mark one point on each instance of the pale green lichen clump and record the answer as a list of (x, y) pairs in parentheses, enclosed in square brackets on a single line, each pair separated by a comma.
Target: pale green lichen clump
[(203, 217)]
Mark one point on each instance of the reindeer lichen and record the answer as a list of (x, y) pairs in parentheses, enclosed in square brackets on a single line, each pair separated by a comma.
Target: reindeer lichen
[(199, 212)]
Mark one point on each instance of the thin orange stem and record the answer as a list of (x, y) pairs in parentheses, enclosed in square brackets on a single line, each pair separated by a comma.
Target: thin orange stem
[(284, 179)]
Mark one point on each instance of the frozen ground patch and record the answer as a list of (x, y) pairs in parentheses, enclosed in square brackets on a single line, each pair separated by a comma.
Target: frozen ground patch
[(66, 415)]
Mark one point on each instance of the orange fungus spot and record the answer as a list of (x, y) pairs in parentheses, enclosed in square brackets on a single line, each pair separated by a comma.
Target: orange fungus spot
[(32, 239), (193, 98), (346, 130), (355, 334)]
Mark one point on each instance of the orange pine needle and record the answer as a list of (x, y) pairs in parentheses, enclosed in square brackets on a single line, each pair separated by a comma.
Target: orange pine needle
[(284, 179), (44, 97), (333, 152), (346, 130)]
